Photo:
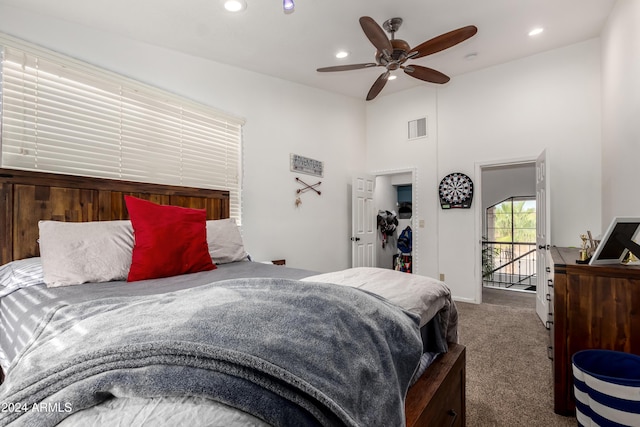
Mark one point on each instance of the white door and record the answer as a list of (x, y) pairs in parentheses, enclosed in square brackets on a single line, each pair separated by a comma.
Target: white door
[(543, 236), (363, 238)]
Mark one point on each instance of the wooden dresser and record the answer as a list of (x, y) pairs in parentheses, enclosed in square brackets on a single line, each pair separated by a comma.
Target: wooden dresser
[(591, 307), (439, 396)]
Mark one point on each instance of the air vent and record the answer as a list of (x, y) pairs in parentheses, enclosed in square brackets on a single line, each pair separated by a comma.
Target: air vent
[(418, 128)]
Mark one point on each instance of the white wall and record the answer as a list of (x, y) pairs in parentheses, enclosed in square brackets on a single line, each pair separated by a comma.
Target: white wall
[(388, 149), (502, 182), (620, 107), (281, 118), (511, 111)]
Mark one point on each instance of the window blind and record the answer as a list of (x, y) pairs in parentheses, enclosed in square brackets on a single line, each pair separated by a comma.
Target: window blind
[(60, 115)]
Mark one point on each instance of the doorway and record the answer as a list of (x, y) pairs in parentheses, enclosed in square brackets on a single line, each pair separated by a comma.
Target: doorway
[(507, 224), (395, 192)]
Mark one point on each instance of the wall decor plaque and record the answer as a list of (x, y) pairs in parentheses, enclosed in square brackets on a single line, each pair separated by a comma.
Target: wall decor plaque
[(306, 165)]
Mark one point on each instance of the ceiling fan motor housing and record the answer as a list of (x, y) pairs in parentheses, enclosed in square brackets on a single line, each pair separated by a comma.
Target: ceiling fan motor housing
[(400, 50)]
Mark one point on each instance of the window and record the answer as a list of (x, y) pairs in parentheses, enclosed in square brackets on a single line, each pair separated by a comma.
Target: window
[(509, 251), (64, 116), (513, 220)]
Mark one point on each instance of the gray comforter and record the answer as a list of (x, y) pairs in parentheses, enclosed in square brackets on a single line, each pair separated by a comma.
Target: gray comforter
[(288, 352)]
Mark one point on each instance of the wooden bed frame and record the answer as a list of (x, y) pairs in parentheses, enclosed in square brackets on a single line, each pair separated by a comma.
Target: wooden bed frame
[(28, 197), (437, 399)]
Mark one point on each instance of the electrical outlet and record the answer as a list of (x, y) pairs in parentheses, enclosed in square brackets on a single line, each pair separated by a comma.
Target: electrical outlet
[(442, 277), (421, 223)]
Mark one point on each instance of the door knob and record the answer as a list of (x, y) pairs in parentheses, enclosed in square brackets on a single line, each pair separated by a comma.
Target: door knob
[(355, 239)]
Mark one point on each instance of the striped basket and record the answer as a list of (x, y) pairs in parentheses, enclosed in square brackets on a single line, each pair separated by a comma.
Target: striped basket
[(607, 388)]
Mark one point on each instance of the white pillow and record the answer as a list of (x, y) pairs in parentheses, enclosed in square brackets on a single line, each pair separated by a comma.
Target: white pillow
[(20, 274), (78, 252), (225, 242)]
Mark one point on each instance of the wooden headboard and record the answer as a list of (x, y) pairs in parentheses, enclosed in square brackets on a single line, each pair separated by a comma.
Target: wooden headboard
[(28, 197)]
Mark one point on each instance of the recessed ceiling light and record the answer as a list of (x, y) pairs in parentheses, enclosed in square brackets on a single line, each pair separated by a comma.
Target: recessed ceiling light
[(342, 54), (235, 5), (392, 77), (536, 31)]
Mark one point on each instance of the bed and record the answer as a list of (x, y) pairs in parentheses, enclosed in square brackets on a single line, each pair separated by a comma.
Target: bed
[(227, 342)]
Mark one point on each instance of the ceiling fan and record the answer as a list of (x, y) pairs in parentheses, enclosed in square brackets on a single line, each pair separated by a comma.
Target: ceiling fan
[(393, 53)]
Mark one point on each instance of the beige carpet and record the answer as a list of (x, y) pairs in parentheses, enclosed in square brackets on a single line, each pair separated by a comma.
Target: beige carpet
[(509, 380)]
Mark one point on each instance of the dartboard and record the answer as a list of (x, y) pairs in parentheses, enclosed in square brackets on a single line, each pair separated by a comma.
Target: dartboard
[(456, 191)]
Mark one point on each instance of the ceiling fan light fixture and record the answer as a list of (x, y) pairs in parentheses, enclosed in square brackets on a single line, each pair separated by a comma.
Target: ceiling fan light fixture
[(288, 5), (235, 5), (342, 54), (392, 77)]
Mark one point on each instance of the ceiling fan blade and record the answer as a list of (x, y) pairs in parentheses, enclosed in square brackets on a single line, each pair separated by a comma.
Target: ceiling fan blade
[(427, 74), (347, 67), (376, 35), (378, 85), (443, 41)]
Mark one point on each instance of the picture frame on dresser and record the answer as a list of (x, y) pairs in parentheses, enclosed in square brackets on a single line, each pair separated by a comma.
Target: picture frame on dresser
[(617, 241)]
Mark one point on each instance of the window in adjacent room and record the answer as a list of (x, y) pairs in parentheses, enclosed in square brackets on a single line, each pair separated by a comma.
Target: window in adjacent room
[(513, 220), (509, 250), (65, 116)]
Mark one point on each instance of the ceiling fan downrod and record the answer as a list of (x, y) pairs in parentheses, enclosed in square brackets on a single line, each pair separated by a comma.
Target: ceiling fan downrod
[(392, 25)]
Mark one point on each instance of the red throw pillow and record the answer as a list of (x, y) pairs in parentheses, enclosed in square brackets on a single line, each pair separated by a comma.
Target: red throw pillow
[(169, 240)]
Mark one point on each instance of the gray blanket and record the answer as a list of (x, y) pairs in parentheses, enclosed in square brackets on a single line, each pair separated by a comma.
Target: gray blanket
[(288, 352)]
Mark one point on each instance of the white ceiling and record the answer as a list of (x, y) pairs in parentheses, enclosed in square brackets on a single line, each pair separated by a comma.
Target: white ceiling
[(291, 46)]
